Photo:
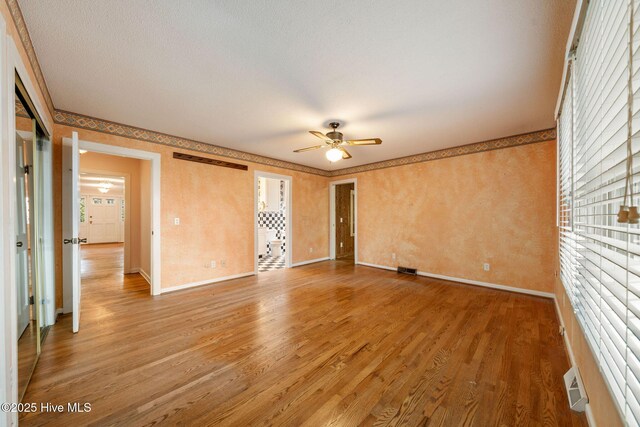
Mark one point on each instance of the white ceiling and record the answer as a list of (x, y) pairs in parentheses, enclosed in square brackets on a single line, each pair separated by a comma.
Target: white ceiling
[(256, 75)]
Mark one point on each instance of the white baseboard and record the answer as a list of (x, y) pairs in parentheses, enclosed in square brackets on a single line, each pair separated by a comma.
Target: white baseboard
[(133, 270), (468, 281), (145, 276), (205, 282), (311, 261), (589, 413), (572, 359), (382, 267)]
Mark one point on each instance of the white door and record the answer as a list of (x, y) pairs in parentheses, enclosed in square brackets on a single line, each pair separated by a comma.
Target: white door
[(22, 239), (104, 221), (71, 223)]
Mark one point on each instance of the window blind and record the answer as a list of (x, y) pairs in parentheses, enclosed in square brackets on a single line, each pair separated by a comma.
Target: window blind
[(599, 257)]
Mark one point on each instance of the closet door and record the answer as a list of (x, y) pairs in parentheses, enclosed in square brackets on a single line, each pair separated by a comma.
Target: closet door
[(22, 239)]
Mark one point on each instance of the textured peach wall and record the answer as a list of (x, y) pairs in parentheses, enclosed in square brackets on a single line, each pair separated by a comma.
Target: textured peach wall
[(601, 402), (452, 215), (105, 163), (215, 207)]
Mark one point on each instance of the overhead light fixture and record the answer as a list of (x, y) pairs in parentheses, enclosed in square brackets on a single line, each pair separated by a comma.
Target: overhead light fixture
[(334, 154), (104, 187), (82, 151)]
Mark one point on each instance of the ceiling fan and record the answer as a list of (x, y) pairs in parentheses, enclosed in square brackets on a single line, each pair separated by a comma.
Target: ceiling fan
[(333, 140)]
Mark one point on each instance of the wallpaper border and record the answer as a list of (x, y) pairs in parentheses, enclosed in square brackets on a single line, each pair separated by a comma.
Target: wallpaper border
[(91, 123), (461, 150)]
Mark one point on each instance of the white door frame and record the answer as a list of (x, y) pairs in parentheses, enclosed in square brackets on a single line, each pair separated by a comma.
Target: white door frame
[(288, 215), (115, 150), (10, 62), (332, 217), (127, 213)]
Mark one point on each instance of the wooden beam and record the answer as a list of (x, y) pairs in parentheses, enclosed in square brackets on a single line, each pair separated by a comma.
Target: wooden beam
[(208, 161)]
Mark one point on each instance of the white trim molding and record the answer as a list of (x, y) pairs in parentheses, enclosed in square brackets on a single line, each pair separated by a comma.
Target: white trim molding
[(288, 186), (127, 212), (145, 275), (332, 217), (155, 159), (469, 282), (311, 261), (206, 282)]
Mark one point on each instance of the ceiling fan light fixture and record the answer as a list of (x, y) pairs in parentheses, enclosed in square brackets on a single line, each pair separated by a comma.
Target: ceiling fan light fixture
[(333, 155)]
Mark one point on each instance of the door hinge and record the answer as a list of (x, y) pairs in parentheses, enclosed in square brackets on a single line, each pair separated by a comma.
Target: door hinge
[(27, 168), (74, 241), (31, 300)]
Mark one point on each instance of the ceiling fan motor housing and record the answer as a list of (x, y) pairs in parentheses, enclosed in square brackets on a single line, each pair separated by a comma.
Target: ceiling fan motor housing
[(335, 135)]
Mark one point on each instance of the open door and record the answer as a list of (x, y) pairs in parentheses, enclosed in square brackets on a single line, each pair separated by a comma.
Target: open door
[(71, 223)]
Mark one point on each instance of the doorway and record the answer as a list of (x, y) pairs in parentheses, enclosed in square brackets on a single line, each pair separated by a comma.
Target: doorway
[(272, 222), (109, 207), (102, 207), (343, 205)]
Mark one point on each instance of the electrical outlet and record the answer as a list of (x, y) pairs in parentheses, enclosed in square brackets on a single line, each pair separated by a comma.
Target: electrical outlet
[(310, 250), (213, 264), (341, 245), (561, 331), (340, 220), (176, 221), (486, 266), (393, 255)]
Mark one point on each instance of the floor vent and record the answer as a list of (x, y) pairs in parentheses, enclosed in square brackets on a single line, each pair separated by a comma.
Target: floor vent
[(575, 390), (407, 270)]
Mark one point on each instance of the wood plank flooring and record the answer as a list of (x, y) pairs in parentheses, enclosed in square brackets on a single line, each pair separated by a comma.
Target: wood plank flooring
[(324, 344)]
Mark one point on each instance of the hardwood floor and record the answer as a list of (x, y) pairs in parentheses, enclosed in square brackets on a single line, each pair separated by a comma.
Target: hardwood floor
[(27, 355), (324, 344)]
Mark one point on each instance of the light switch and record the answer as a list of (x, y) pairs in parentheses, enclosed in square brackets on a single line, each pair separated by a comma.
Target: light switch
[(176, 221)]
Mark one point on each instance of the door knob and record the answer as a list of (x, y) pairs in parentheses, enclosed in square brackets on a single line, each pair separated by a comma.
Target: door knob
[(19, 244)]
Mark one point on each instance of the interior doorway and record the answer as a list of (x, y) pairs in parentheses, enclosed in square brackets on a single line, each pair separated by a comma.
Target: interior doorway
[(343, 205), (272, 221), (141, 201), (102, 207), (115, 212)]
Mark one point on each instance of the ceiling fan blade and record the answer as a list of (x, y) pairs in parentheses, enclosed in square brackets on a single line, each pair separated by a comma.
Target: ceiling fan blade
[(345, 153), (315, 147), (370, 141), (320, 135)]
